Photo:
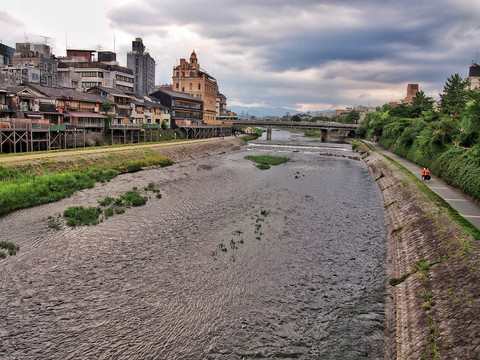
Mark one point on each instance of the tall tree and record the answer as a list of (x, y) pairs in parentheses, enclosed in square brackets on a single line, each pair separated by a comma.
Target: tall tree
[(421, 103), (454, 97)]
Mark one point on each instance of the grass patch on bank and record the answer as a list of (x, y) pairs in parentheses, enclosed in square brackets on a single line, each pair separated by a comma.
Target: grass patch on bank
[(445, 207), (265, 161), (38, 182)]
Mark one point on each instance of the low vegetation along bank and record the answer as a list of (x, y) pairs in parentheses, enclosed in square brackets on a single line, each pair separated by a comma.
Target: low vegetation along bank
[(433, 308), (447, 140), (27, 184)]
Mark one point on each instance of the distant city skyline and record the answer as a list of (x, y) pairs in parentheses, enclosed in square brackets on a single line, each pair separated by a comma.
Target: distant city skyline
[(308, 55)]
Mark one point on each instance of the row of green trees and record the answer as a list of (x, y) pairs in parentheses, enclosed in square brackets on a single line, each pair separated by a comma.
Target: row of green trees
[(445, 138)]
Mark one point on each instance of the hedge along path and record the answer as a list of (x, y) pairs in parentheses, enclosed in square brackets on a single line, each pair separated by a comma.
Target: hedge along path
[(433, 272), (462, 209)]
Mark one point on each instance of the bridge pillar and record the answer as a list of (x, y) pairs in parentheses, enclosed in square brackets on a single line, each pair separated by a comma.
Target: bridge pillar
[(269, 133), (325, 135)]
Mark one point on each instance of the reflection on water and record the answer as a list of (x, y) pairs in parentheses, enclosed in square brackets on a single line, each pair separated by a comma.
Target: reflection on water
[(231, 263)]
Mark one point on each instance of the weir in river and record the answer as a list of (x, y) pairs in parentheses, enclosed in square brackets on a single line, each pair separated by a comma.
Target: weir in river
[(232, 262)]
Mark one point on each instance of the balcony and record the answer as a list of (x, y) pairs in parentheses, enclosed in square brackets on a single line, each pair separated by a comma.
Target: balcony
[(151, 126)]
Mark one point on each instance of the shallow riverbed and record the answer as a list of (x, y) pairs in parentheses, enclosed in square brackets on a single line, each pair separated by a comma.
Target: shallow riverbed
[(231, 263)]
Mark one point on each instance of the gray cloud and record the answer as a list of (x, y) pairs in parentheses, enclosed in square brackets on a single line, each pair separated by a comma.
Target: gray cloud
[(420, 41), (283, 53)]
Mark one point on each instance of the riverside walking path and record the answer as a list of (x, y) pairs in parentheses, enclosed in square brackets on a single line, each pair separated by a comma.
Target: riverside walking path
[(465, 207), (42, 155)]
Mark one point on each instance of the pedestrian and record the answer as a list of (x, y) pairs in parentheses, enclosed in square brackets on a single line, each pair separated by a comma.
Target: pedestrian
[(427, 174), (424, 173)]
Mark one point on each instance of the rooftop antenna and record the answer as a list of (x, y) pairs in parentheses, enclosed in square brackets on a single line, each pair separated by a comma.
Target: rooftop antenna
[(45, 39), (114, 43)]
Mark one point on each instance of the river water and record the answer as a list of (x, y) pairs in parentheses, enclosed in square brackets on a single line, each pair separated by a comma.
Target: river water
[(233, 262)]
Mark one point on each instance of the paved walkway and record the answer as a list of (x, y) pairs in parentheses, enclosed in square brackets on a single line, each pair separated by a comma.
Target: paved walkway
[(467, 208)]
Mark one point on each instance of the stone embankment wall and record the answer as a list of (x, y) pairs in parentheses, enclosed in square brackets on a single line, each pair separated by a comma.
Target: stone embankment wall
[(182, 152), (433, 304)]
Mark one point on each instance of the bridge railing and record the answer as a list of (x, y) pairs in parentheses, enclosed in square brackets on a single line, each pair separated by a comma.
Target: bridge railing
[(301, 124)]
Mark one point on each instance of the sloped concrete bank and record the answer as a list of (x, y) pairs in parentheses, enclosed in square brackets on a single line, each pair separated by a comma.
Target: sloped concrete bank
[(181, 152), (433, 304)]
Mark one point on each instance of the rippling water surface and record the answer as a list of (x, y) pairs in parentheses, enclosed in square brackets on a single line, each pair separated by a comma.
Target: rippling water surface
[(231, 263)]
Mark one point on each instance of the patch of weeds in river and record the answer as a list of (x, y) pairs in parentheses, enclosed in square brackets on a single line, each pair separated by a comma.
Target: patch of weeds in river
[(109, 206), (222, 247), (107, 201), (80, 215), (11, 248), (133, 198), (264, 162), (239, 237), (297, 175)]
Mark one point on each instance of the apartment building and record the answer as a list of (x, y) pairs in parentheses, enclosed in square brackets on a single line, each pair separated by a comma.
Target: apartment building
[(190, 78), (143, 68)]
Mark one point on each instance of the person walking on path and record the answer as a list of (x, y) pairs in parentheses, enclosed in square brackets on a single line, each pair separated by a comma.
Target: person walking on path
[(424, 173), (427, 175)]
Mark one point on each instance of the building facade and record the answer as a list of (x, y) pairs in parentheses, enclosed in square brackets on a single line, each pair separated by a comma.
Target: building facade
[(104, 72), (38, 56), (184, 109), (221, 107), (474, 76), (189, 78), (412, 90), (143, 69), (6, 54)]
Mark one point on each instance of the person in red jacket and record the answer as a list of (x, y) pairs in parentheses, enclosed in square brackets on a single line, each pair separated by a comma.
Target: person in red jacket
[(427, 174), (424, 172)]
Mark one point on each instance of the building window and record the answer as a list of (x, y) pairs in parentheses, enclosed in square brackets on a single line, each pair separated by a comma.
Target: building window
[(199, 86), (176, 85), (191, 86)]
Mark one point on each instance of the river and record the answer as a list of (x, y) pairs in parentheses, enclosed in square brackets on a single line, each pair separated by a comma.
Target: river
[(232, 262)]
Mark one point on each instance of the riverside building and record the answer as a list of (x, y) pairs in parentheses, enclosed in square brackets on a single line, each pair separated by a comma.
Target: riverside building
[(143, 69), (190, 78)]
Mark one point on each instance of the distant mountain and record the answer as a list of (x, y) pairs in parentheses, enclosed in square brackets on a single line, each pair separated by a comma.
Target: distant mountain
[(260, 112)]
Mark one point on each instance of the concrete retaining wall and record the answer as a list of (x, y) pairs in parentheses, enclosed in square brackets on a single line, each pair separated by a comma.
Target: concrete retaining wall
[(434, 310)]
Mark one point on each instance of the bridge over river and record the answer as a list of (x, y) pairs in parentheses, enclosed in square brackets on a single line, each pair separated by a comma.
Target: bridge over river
[(325, 127)]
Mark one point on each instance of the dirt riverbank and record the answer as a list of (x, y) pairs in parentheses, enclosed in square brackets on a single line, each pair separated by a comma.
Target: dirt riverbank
[(433, 305), (177, 152)]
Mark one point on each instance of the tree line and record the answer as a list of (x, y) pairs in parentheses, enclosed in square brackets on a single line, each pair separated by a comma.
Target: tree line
[(444, 137)]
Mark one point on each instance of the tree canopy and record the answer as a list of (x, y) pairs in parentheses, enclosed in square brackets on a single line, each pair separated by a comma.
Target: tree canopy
[(454, 97)]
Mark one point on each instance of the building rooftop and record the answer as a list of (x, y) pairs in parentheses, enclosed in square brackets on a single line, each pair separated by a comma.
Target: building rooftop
[(65, 93), (176, 95)]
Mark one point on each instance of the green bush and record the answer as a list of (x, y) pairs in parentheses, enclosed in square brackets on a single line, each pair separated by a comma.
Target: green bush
[(79, 215), (267, 159), (133, 198), (11, 247)]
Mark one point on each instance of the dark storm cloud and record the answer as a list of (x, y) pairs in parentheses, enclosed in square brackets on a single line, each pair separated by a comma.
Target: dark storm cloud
[(414, 41)]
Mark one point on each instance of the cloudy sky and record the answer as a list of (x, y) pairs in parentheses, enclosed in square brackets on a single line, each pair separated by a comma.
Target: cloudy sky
[(302, 54)]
